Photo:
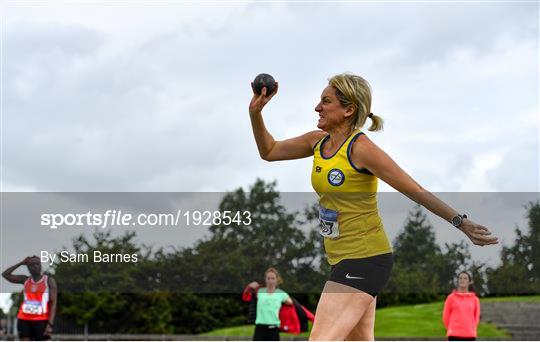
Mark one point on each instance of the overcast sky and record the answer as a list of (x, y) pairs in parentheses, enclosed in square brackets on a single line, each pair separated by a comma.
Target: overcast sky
[(119, 96), (153, 97)]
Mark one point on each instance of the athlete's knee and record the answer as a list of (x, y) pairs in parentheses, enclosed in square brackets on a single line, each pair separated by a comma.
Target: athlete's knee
[(315, 334), (367, 337), (361, 333), (326, 336), (364, 330), (314, 337)]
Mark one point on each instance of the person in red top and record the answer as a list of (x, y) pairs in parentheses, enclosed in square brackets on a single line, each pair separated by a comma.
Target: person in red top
[(36, 315), (461, 313)]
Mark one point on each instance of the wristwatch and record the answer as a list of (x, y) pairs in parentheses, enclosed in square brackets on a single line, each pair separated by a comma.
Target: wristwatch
[(458, 220)]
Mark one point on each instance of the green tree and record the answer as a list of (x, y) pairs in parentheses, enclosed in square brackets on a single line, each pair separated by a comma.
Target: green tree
[(423, 271), (214, 271), (519, 272), (195, 289), (417, 258), (238, 253), (111, 296), (479, 275)]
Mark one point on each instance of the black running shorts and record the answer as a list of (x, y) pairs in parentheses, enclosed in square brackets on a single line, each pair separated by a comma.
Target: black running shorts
[(366, 274), (32, 330), (265, 332)]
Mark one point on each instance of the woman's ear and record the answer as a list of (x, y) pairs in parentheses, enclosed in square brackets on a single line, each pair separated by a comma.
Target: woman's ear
[(349, 111)]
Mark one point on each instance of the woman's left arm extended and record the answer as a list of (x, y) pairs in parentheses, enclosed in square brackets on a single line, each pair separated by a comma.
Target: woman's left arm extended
[(366, 154)]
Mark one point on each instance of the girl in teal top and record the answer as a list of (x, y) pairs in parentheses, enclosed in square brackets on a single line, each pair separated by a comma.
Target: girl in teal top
[(269, 301)]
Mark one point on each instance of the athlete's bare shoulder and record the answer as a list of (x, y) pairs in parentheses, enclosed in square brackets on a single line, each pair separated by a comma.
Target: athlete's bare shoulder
[(315, 136), (362, 142)]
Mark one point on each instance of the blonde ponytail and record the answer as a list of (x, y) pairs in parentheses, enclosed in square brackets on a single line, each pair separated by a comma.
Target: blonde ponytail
[(376, 123)]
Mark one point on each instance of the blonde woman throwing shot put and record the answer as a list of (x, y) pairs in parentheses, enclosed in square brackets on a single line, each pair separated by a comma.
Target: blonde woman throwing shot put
[(346, 168)]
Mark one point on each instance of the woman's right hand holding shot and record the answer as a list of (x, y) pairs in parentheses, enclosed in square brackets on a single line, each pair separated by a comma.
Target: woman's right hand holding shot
[(259, 101)]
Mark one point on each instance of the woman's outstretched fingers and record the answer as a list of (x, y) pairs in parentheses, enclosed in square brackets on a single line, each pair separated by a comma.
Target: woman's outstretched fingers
[(485, 233), (484, 238), (478, 234)]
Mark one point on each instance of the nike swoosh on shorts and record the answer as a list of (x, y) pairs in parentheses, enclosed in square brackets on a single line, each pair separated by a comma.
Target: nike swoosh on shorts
[(351, 277)]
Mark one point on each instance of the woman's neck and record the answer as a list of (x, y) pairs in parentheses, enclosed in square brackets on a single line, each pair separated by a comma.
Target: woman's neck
[(339, 135), (37, 278), (462, 289)]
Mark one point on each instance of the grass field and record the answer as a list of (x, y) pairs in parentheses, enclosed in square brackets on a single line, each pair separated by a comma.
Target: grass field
[(422, 320)]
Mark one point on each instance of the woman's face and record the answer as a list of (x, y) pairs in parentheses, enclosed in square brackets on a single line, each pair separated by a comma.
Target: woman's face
[(331, 113), (463, 281), (271, 279)]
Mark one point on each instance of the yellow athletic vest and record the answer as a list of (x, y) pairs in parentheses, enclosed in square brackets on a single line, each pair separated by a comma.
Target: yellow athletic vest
[(352, 193)]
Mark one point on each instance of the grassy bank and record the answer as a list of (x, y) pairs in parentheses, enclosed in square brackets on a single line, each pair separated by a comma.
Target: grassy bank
[(422, 320)]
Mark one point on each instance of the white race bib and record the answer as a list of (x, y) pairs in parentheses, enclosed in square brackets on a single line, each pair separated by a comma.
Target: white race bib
[(32, 307), (329, 227)]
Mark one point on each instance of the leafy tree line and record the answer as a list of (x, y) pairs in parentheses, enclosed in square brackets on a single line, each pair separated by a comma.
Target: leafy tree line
[(519, 272), (196, 289), (425, 272)]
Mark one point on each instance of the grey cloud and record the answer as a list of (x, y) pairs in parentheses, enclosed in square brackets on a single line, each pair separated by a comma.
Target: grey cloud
[(157, 113), (519, 169)]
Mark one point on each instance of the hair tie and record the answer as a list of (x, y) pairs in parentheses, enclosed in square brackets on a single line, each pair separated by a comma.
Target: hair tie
[(370, 115)]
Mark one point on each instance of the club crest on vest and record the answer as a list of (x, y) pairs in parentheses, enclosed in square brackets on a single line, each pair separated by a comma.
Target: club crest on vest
[(336, 177)]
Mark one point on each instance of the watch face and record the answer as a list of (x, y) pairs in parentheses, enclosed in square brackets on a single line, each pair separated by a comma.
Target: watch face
[(457, 220)]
